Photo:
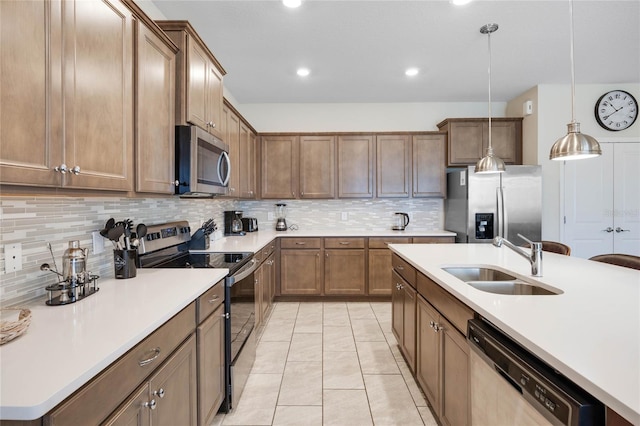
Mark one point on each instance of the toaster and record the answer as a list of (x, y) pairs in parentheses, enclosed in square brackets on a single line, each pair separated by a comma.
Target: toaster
[(249, 224)]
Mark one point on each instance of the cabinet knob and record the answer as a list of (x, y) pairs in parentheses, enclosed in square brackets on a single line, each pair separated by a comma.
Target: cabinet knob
[(432, 324), (75, 170), (618, 229), (175, 183), (62, 168), (212, 124), (609, 229), (151, 404), (326, 255), (159, 393)]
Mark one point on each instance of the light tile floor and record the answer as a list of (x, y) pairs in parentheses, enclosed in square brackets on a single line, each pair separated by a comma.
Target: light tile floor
[(329, 363)]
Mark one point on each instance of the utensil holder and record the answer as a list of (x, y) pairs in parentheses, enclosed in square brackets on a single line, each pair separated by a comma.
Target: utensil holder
[(124, 263)]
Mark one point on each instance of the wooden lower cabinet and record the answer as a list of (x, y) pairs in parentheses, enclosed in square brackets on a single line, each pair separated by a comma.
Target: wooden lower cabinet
[(442, 367), (344, 271), (403, 318), (210, 340), (169, 395), (300, 272), (380, 264)]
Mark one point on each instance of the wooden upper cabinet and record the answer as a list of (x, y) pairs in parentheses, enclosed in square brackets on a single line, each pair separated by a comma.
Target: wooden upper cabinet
[(155, 129), (318, 166), (88, 46), (247, 163), (280, 166), (429, 165), (468, 139), (30, 84), (355, 166), (199, 97), (393, 166)]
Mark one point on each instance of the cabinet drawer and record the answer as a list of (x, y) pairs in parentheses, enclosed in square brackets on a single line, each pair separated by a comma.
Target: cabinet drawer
[(268, 249), (433, 240), (95, 401), (209, 301), (344, 243), (455, 311), (404, 269), (300, 243), (383, 242)]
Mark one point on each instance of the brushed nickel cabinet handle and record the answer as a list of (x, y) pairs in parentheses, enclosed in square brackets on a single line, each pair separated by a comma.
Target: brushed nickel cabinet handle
[(300, 243), (400, 268), (618, 229), (151, 404), (159, 393), (62, 168), (344, 243), (156, 354), (75, 170), (214, 299)]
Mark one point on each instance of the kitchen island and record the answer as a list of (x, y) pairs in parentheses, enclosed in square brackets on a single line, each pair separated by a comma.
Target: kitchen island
[(590, 332), (66, 346)]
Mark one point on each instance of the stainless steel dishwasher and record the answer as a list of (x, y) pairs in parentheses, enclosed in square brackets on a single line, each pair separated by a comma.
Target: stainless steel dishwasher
[(510, 386)]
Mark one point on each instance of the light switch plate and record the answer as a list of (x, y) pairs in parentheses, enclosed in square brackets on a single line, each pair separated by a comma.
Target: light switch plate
[(98, 242), (13, 257)]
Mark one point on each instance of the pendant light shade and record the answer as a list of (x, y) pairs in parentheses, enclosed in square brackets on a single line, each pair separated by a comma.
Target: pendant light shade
[(575, 145), (489, 163)]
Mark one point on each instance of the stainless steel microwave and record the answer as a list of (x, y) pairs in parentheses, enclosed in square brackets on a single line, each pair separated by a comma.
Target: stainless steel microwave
[(202, 163)]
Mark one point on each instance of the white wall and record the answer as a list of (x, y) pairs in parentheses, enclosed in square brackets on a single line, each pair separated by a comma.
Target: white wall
[(552, 113), (365, 117)]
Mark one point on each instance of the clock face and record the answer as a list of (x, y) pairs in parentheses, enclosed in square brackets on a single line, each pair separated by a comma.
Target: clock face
[(616, 110)]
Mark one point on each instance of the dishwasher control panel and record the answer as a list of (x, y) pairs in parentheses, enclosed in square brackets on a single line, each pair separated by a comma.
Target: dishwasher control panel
[(558, 399)]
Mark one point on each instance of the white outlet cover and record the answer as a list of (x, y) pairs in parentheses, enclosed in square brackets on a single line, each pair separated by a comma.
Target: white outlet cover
[(345, 215), (98, 242), (13, 257)]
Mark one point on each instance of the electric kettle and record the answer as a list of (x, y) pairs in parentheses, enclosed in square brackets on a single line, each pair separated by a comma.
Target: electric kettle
[(401, 220)]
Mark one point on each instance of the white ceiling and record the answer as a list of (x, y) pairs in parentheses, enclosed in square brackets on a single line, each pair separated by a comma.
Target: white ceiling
[(358, 50)]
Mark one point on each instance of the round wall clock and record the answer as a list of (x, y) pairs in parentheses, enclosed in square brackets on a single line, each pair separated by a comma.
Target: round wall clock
[(616, 110)]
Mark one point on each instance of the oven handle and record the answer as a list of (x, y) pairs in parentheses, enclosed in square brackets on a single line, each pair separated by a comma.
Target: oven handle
[(243, 273)]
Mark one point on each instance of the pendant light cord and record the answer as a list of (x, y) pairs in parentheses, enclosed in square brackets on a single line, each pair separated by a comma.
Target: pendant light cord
[(573, 72), (489, 42)]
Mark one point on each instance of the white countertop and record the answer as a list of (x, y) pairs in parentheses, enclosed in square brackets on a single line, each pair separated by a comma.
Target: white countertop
[(590, 333), (66, 346), (254, 241)]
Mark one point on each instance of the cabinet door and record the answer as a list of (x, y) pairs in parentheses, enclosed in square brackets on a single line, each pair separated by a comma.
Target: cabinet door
[(409, 326), (173, 386), (135, 411), (197, 95), (344, 272), (272, 278), (355, 166), (155, 129), (429, 166), (317, 166), (259, 289), (300, 272), (279, 167), (247, 162), (428, 353), (98, 96), (233, 140), (465, 142), (393, 166), (214, 100), (380, 272), (455, 376), (210, 341), (397, 307), (505, 140), (30, 85)]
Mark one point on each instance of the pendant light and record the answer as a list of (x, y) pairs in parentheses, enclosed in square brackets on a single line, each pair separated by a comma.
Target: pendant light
[(575, 145), (489, 163)]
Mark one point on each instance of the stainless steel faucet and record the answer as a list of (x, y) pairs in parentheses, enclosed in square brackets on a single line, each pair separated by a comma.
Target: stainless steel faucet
[(534, 258)]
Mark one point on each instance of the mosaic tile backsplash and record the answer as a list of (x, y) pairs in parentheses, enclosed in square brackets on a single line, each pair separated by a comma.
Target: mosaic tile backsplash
[(36, 221)]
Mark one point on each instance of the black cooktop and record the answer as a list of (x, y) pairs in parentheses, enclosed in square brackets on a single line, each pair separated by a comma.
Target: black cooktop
[(231, 261)]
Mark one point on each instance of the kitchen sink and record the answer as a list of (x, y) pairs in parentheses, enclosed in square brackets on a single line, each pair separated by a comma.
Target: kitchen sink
[(498, 282)]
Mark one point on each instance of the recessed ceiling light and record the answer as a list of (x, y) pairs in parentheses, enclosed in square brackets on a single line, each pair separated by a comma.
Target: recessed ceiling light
[(460, 2), (292, 3), (411, 72), (303, 72)]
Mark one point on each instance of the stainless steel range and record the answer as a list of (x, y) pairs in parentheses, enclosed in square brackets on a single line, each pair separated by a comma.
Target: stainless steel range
[(166, 245)]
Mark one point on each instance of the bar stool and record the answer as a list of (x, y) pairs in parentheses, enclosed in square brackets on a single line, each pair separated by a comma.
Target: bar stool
[(554, 247), (625, 260)]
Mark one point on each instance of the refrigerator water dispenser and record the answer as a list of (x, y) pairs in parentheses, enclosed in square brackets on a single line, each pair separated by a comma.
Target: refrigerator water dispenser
[(484, 226)]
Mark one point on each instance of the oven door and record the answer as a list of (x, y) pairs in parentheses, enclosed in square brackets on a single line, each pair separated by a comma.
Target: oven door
[(240, 339)]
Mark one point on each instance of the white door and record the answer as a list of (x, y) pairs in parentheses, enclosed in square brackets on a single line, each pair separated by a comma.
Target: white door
[(602, 195), (626, 198)]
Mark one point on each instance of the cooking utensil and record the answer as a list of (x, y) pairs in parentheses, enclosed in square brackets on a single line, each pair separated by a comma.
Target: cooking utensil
[(141, 230), (46, 267), (110, 223), (52, 258), (115, 233)]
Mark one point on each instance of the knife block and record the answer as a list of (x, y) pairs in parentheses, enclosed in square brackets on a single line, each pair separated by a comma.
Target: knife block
[(199, 241)]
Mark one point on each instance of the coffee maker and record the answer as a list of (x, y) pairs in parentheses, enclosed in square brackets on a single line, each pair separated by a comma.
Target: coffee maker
[(233, 222)]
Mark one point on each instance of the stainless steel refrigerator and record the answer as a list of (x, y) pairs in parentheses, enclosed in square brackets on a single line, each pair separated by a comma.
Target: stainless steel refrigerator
[(479, 207)]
